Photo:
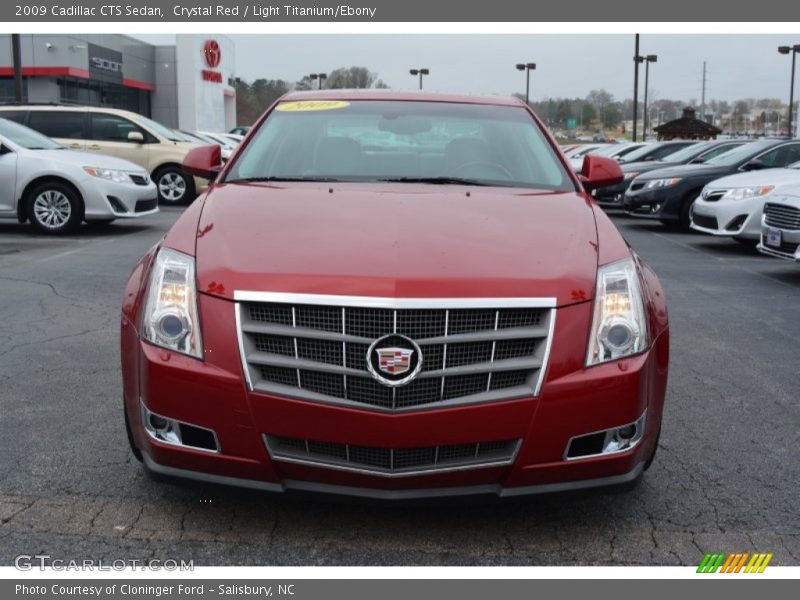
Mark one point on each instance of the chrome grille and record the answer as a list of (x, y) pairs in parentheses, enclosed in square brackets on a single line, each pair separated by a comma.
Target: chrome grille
[(782, 216), (315, 348), (392, 462)]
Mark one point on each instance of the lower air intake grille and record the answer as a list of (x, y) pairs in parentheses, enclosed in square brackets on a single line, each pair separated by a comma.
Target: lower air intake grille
[(471, 351), (392, 462), (704, 221)]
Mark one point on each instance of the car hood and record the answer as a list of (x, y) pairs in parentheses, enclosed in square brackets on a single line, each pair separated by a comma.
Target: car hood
[(757, 178), (86, 159), (397, 240), (686, 171)]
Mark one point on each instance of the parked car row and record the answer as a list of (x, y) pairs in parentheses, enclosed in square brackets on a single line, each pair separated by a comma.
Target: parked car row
[(62, 165), (746, 190)]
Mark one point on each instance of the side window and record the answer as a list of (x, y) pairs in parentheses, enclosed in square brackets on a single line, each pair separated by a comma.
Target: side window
[(111, 128), (718, 150), (666, 150), (18, 116), (57, 124), (781, 156)]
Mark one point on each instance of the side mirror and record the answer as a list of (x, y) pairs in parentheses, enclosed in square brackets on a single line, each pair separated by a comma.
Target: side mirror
[(753, 165), (203, 161), (599, 171), (135, 136)]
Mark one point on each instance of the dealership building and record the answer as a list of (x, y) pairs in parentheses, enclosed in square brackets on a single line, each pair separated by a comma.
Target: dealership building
[(190, 85)]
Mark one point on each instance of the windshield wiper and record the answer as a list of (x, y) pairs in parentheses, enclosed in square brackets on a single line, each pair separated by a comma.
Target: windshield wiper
[(279, 178), (436, 180)]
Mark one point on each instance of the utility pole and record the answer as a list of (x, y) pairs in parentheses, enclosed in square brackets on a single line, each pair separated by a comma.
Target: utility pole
[(17, 62), (636, 61), (703, 95)]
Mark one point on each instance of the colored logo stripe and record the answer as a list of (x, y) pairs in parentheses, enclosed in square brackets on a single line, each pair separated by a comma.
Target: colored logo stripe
[(733, 563)]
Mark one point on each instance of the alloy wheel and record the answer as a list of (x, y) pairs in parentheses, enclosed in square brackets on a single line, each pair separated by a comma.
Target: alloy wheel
[(52, 209), (172, 186)]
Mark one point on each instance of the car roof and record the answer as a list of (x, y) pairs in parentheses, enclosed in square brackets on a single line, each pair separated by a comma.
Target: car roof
[(386, 95), (68, 108)]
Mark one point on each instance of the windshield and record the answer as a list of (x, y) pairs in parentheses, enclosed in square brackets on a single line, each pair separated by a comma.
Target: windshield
[(25, 137), (639, 153), (427, 142), (159, 129), (740, 154), (689, 152), (609, 150)]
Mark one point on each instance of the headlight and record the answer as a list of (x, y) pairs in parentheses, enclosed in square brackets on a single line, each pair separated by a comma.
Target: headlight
[(630, 175), (110, 174), (743, 193), (661, 183), (619, 327), (170, 313)]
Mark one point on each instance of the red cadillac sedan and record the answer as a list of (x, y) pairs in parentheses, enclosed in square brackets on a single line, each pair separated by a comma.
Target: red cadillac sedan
[(395, 295)]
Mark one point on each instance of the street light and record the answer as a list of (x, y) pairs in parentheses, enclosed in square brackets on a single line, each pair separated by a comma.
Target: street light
[(320, 77), (420, 72), (527, 67), (794, 50), (647, 60)]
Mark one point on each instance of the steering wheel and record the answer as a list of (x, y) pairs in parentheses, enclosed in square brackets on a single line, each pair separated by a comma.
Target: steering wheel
[(485, 163)]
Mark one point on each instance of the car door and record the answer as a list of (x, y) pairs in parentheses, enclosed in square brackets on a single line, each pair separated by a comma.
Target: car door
[(8, 178), (108, 134), (67, 127)]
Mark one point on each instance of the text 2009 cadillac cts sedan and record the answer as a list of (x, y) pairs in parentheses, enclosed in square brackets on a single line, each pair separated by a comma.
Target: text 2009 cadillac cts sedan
[(395, 295)]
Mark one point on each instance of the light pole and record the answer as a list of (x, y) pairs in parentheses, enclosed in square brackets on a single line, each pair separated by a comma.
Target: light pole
[(527, 67), (647, 60), (320, 77), (636, 60), (420, 72), (793, 50)]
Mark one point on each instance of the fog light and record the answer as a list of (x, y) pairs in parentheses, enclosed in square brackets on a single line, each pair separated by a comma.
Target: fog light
[(607, 441), (627, 432), (157, 422), (178, 433)]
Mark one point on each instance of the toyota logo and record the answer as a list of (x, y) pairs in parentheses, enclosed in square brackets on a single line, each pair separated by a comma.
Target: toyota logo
[(212, 53)]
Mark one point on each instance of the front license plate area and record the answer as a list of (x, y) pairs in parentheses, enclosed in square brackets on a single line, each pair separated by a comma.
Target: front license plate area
[(774, 237)]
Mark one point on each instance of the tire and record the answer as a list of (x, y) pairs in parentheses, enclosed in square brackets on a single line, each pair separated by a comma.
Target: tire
[(650, 460), (54, 207), (686, 210), (134, 450), (174, 186)]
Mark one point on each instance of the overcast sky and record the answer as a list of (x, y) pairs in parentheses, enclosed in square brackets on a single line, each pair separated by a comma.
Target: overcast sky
[(567, 65)]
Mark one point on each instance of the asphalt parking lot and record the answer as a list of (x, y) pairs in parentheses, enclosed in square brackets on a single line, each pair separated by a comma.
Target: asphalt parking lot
[(725, 479)]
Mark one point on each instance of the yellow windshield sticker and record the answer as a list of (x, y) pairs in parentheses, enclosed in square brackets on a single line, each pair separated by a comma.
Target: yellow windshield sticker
[(305, 105)]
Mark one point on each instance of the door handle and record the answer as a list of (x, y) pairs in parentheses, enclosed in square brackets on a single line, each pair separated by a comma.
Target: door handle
[(94, 147), (74, 145)]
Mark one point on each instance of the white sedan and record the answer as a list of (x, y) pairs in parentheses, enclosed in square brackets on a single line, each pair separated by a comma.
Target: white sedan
[(55, 189), (732, 206), (780, 227)]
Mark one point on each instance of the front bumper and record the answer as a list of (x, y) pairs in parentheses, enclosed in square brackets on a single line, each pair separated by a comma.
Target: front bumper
[(789, 248), (105, 199), (662, 204), (574, 401), (731, 218), (612, 195)]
